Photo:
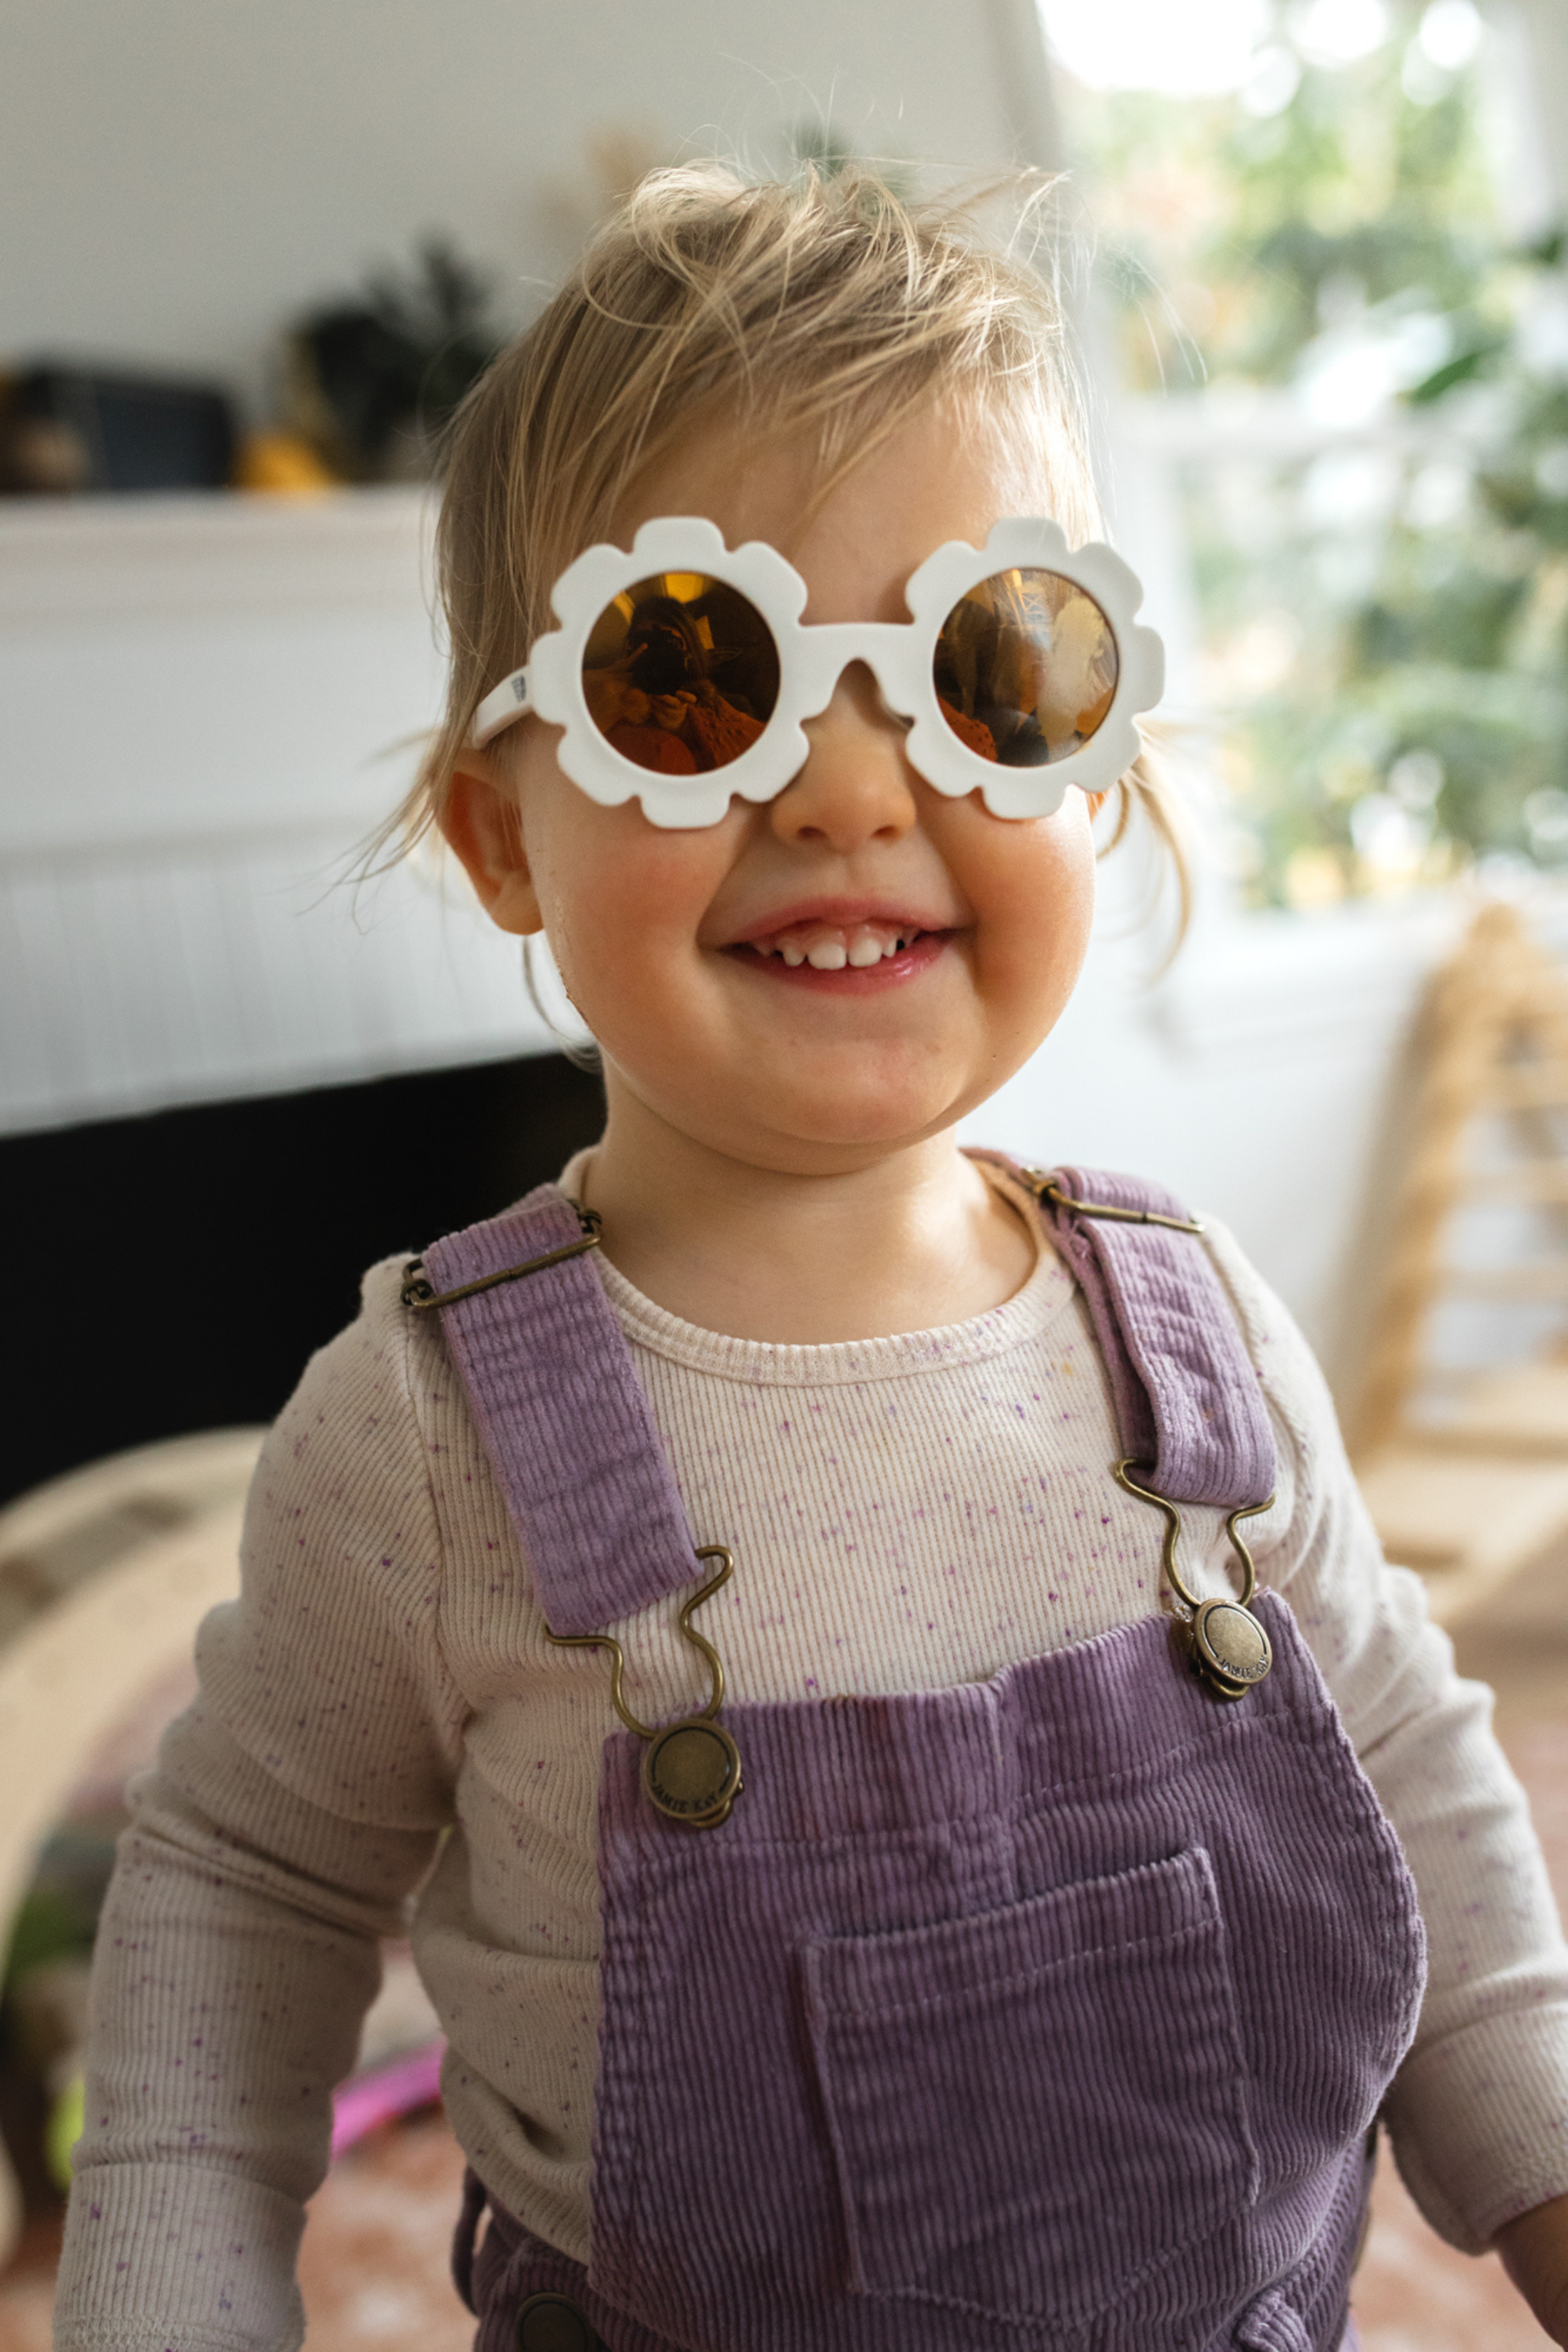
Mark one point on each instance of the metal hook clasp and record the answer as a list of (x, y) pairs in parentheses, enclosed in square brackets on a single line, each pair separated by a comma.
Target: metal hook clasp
[(691, 1772), (419, 1292), (1228, 1648), (1044, 1184)]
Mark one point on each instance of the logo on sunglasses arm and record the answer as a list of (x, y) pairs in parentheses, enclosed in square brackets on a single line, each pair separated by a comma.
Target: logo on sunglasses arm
[(681, 672)]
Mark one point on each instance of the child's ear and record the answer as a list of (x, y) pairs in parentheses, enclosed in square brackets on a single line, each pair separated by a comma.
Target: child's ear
[(480, 822)]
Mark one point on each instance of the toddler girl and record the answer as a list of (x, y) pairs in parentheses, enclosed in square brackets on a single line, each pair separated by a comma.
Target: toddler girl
[(780, 1602)]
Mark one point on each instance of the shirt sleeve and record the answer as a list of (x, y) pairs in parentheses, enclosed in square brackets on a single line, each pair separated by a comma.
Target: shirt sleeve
[(294, 1809), (1478, 2112)]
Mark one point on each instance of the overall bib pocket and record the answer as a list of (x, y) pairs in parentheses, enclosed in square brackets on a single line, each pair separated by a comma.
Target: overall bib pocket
[(1033, 2109)]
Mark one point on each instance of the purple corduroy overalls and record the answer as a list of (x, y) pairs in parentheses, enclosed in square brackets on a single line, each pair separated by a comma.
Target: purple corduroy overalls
[(1052, 2010)]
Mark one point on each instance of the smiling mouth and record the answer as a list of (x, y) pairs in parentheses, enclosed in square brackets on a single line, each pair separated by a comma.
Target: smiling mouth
[(838, 947)]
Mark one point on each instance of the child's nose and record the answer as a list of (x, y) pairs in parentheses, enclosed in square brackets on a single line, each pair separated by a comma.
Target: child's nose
[(857, 784)]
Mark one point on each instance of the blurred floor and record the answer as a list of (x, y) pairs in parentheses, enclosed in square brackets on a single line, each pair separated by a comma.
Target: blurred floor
[(373, 2267)]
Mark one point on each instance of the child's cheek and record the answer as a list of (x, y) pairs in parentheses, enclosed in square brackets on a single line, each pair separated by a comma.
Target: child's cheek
[(1032, 950), (624, 900), (1037, 892)]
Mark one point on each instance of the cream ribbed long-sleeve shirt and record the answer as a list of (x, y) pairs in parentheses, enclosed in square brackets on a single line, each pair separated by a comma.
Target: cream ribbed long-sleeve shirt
[(906, 1513)]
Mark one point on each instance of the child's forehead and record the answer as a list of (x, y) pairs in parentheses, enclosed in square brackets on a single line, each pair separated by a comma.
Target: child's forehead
[(859, 531)]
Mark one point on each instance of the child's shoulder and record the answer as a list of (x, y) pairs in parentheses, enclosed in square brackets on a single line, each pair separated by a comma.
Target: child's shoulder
[(1291, 1376), (361, 1398), (382, 1348), (1287, 1369), (342, 1569), (1315, 1485)]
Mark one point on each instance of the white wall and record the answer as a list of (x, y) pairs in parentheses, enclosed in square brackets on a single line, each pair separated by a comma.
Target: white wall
[(179, 176)]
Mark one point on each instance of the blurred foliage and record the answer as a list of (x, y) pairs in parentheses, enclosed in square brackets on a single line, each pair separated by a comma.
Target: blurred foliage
[(816, 143), (1379, 515), (47, 1928), (371, 379), (58, 1917), (1232, 237)]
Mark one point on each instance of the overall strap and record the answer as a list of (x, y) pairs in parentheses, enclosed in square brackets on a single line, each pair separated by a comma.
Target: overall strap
[(564, 1419), (1185, 1390), (569, 1431)]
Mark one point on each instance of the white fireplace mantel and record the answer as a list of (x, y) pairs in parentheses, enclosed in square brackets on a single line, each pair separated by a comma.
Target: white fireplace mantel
[(205, 708)]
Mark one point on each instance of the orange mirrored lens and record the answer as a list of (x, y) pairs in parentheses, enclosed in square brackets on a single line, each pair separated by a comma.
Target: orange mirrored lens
[(680, 674), (1026, 668)]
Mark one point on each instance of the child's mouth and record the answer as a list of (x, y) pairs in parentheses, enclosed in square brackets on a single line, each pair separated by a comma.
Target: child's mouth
[(843, 955)]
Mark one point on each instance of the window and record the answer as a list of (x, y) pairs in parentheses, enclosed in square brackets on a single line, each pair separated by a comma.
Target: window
[(1348, 361)]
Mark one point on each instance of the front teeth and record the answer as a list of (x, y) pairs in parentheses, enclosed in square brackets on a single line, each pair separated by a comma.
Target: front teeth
[(859, 950)]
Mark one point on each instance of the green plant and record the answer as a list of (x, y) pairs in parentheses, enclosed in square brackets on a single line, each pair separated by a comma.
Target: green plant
[(1385, 617), (375, 376), (1426, 720)]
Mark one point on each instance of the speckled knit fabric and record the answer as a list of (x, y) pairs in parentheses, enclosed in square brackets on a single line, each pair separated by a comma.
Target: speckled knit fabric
[(909, 1514)]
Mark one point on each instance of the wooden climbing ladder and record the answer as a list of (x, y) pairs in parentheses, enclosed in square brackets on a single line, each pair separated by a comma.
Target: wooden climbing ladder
[(1466, 1472)]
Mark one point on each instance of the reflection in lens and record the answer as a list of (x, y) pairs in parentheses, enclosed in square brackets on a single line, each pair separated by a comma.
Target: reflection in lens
[(1026, 668), (680, 674)]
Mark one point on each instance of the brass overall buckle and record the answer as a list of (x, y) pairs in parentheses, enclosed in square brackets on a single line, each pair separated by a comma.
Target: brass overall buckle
[(691, 1768), (1226, 1647)]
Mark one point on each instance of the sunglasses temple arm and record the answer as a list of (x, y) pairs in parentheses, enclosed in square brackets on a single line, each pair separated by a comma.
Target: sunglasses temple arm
[(511, 700)]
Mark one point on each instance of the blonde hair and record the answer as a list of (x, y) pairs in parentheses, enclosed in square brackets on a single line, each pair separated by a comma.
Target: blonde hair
[(827, 305)]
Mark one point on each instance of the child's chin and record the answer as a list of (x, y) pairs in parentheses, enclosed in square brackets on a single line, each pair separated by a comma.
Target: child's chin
[(844, 1132)]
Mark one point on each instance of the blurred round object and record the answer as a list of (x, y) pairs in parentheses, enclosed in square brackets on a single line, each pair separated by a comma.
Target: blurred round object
[(282, 466), (104, 1576)]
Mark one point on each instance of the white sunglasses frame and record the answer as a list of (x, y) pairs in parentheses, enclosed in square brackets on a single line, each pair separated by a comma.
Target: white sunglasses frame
[(813, 658)]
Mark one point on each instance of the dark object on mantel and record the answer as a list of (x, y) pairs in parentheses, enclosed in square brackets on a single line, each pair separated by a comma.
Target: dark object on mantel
[(250, 1223), (371, 380), (64, 429)]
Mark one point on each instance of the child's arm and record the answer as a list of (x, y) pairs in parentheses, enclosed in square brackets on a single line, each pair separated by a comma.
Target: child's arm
[(1534, 2248), (294, 1807), (1478, 2112)]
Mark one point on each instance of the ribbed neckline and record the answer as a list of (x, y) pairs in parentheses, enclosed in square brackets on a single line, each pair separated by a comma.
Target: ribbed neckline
[(1044, 1297)]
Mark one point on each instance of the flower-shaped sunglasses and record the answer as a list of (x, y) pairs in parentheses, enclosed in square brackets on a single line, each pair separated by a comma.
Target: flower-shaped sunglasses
[(681, 672)]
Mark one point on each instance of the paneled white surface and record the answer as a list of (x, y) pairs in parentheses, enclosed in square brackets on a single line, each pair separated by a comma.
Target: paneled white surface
[(197, 702), (171, 664)]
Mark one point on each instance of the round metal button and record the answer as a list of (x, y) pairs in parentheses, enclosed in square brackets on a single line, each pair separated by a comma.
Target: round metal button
[(550, 2323), (692, 1772), (1232, 1643)]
